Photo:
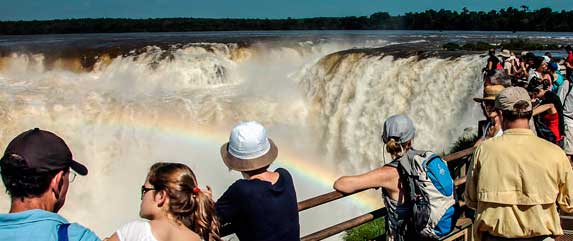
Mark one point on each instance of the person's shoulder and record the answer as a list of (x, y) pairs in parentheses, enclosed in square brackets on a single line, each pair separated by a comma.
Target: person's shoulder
[(239, 184), (77, 232), (550, 151), (552, 96), (547, 146), (490, 143), (133, 230), (136, 224), (393, 164), (285, 176), (240, 187), (283, 172)]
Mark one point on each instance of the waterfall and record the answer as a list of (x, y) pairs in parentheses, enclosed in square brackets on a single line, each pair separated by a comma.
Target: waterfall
[(323, 106)]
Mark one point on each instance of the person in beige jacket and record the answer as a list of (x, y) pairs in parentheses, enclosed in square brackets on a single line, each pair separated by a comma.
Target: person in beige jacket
[(516, 180)]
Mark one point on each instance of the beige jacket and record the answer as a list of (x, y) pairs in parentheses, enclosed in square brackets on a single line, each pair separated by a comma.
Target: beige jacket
[(515, 182)]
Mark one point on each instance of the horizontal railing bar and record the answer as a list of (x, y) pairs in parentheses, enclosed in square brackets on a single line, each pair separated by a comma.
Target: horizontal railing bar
[(338, 228), (459, 154), (321, 199), (335, 195), (460, 181), (360, 220)]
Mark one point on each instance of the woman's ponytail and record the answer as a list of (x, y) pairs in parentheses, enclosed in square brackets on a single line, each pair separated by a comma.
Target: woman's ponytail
[(393, 147), (396, 149), (204, 221)]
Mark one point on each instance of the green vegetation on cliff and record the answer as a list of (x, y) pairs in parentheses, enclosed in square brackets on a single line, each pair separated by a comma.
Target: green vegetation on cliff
[(509, 19)]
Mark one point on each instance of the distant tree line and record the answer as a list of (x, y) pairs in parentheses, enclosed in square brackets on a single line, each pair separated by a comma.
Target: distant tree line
[(510, 19)]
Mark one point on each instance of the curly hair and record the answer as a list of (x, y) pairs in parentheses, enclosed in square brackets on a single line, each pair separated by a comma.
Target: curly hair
[(21, 181), (194, 209)]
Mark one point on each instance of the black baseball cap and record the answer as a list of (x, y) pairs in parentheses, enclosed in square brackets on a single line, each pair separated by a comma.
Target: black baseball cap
[(44, 151)]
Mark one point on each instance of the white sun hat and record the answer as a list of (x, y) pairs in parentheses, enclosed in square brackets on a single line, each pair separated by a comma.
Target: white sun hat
[(249, 147)]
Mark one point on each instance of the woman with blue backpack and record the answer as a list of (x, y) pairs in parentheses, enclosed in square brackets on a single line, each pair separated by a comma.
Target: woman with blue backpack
[(417, 188)]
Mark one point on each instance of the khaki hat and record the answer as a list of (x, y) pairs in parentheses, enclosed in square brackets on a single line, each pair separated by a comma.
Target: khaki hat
[(490, 92), (248, 148), (513, 99), (505, 53)]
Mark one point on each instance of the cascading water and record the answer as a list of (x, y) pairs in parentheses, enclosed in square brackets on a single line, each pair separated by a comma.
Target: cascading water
[(351, 95), (323, 108)]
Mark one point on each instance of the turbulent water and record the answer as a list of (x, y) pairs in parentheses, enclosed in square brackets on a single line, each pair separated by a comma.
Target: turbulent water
[(323, 101)]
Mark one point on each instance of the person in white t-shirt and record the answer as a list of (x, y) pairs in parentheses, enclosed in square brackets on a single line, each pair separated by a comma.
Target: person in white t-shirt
[(176, 208)]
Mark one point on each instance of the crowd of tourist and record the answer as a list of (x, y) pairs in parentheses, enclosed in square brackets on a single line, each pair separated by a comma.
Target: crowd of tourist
[(519, 175), (548, 87)]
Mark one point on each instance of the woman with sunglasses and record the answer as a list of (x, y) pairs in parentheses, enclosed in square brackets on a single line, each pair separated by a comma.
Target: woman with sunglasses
[(490, 127), (176, 208)]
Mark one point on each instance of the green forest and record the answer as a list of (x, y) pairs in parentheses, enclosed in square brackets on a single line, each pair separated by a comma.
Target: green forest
[(509, 19)]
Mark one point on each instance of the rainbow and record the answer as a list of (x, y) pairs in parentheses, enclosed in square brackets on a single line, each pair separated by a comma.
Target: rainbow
[(202, 135)]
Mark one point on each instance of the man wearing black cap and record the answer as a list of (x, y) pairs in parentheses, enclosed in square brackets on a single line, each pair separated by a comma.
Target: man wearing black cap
[(36, 171)]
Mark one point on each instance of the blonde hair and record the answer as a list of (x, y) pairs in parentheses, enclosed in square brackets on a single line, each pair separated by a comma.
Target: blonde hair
[(193, 209), (396, 149)]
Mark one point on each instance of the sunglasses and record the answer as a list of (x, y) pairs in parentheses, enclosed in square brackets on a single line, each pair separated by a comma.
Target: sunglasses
[(144, 190), (73, 176), (488, 106)]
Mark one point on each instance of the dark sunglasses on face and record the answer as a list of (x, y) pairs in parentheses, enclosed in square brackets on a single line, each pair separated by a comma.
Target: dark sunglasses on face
[(144, 190), (488, 106)]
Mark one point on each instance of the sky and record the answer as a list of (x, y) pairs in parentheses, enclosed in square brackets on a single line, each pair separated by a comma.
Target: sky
[(62, 9)]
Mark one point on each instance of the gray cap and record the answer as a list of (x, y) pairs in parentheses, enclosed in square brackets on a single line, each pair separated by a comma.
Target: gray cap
[(513, 99), (400, 127)]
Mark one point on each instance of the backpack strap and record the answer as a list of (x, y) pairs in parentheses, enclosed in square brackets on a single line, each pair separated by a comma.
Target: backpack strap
[(407, 172), (63, 232), (570, 85), (568, 92)]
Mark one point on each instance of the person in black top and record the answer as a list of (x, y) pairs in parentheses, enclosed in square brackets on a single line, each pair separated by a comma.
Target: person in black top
[(492, 63), (549, 107), (263, 205)]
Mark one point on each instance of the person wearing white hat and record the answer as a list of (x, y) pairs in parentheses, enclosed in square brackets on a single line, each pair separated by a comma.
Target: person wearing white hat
[(263, 205), (509, 62)]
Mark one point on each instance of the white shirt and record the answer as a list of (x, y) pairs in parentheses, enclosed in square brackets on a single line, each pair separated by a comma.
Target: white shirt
[(136, 231), (486, 128), (533, 73)]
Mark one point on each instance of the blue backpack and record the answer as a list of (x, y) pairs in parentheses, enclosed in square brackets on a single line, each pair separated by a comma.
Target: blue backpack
[(430, 189)]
